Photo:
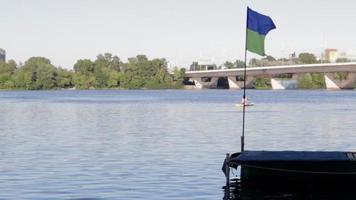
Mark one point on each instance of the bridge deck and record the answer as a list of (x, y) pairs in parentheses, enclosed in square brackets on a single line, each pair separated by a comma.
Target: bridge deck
[(273, 70)]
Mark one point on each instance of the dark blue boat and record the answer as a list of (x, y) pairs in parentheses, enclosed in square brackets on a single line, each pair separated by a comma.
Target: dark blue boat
[(293, 168)]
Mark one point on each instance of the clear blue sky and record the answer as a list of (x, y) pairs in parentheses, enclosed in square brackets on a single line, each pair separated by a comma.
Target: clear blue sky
[(179, 30)]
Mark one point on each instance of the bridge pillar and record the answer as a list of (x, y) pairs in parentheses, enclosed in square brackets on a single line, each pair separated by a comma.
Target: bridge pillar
[(283, 84), (203, 84), (197, 83), (234, 84), (343, 80)]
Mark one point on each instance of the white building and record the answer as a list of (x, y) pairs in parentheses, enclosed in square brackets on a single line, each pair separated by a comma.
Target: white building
[(351, 56), (203, 65)]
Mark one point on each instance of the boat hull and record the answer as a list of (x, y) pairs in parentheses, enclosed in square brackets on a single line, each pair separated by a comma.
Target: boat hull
[(286, 168), (298, 173)]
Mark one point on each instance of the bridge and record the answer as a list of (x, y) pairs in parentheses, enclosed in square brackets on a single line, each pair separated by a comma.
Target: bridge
[(337, 76)]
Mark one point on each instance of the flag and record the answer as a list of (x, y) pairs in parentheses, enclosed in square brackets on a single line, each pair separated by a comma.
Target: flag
[(258, 26)]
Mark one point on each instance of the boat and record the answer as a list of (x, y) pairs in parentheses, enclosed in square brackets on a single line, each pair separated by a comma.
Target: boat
[(293, 168), (279, 169), (246, 104), (331, 193)]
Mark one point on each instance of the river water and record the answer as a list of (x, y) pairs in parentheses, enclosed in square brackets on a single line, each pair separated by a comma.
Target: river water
[(154, 144)]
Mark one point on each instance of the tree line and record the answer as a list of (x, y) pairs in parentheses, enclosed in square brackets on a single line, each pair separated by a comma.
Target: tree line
[(107, 71)]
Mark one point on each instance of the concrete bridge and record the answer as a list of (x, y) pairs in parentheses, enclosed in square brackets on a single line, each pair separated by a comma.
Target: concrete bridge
[(337, 76)]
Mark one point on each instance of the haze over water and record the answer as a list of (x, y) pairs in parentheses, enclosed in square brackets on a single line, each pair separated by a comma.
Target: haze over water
[(154, 144)]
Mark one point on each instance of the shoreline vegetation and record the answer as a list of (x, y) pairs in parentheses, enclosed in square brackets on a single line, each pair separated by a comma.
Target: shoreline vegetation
[(106, 72), (109, 72)]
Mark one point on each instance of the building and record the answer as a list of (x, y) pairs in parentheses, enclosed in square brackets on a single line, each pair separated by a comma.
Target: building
[(170, 67), (348, 56), (202, 65), (292, 55), (331, 55), (2, 55)]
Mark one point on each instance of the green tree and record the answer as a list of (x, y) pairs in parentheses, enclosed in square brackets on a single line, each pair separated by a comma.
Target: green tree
[(262, 83), (312, 81), (83, 81), (116, 63), (106, 68), (84, 74), (229, 65), (9, 67), (307, 58), (101, 77), (114, 79), (341, 75), (140, 72), (178, 76), (306, 82), (65, 78), (22, 79), (37, 73), (232, 65), (7, 71), (84, 66)]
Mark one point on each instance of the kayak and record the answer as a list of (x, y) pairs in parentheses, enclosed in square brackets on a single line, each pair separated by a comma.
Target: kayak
[(246, 104)]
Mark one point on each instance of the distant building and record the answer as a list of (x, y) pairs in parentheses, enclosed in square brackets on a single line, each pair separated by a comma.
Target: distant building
[(2, 55), (331, 55), (293, 55), (202, 65), (170, 67), (349, 56)]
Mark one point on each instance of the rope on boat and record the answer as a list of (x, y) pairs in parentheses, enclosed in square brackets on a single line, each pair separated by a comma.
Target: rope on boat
[(300, 171)]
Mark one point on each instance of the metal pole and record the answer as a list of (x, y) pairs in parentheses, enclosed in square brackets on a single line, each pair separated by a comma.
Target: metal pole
[(227, 173), (244, 94)]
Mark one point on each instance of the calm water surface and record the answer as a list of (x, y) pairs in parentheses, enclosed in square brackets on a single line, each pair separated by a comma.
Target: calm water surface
[(154, 145)]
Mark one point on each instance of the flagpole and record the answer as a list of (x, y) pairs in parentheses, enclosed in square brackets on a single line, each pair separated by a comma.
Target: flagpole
[(244, 93)]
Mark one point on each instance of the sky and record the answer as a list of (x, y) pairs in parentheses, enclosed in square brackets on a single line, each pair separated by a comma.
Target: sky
[(179, 30)]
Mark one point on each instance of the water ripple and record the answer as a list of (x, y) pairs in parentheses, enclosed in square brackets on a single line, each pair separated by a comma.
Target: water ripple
[(153, 145)]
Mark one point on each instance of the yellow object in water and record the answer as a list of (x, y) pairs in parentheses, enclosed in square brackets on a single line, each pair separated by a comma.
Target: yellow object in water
[(246, 104)]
